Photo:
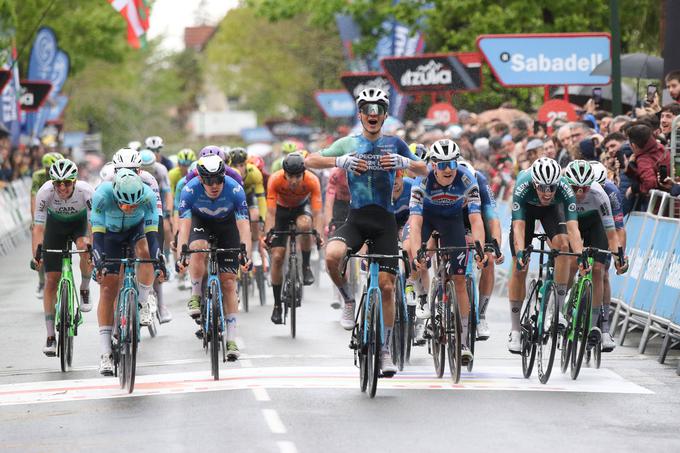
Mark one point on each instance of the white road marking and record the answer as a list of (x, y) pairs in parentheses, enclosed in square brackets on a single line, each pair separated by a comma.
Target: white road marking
[(286, 446), (415, 378), (261, 394), (245, 363), (274, 422)]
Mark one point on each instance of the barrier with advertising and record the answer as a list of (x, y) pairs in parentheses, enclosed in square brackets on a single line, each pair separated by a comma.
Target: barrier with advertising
[(15, 215)]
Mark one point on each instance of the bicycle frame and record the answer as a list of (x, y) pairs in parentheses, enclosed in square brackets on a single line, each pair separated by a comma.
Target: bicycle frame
[(129, 284), (213, 277), (373, 272), (470, 274), (67, 276), (580, 283)]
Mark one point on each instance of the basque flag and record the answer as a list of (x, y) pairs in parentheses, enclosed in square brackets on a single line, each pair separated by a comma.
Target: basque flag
[(136, 13)]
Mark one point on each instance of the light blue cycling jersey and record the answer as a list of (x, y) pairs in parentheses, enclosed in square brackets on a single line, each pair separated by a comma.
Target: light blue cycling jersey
[(373, 187), (178, 192), (232, 200), (107, 216), (428, 197)]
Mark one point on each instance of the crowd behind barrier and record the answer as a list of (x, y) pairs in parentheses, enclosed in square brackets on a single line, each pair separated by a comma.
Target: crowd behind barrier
[(15, 213), (647, 297)]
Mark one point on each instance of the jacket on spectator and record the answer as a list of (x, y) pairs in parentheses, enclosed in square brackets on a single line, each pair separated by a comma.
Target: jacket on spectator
[(647, 164)]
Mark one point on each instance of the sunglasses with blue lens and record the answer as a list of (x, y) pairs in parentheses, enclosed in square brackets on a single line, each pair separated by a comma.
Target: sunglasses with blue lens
[(452, 164), (373, 109)]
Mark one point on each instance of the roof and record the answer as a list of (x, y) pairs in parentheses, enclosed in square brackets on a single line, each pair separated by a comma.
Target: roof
[(197, 37)]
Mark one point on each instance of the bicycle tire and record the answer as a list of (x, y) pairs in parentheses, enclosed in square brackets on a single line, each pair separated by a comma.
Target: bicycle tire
[(244, 290), (438, 337), (74, 315), (582, 328), (453, 332), (411, 326), (214, 343), (374, 345), (399, 333), (292, 299), (472, 320), (361, 346), (63, 325), (565, 356), (527, 330), (259, 281), (132, 338), (547, 340)]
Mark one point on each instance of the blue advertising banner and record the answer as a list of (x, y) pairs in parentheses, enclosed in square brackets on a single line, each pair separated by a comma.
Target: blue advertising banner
[(257, 135), (644, 298), (669, 287), (633, 226), (335, 103), (56, 108), (638, 257), (546, 59), (40, 64), (60, 69), (9, 98)]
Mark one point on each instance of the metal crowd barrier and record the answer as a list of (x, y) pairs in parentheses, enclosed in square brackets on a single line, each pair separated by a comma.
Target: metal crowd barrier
[(15, 214)]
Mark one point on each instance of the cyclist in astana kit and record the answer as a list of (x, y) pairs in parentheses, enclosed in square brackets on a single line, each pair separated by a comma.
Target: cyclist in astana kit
[(372, 160)]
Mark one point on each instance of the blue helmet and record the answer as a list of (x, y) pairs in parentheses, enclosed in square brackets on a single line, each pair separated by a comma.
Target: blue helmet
[(128, 187)]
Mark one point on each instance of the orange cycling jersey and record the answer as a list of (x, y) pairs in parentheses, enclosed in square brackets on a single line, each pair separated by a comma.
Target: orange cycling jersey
[(279, 191)]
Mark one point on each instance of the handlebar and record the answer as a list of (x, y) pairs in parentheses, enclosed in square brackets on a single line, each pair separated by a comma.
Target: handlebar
[(374, 256), (241, 250), (292, 232), (477, 247), (40, 252)]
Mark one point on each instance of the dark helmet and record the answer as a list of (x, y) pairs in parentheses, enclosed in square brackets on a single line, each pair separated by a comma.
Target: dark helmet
[(237, 156), (294, 164)]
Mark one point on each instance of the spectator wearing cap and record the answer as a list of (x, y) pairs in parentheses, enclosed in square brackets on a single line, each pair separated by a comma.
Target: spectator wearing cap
[(643, 166), (533, 150)]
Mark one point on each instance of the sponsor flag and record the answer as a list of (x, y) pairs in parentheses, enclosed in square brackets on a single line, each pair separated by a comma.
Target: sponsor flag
[(9, 98), (136, 14)]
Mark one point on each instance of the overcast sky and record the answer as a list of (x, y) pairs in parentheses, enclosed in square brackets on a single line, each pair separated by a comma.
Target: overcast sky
[(169, 17)]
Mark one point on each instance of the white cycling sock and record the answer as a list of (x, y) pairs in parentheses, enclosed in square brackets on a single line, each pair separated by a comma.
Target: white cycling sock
[(388, 339), (515, 309), (49, 323), (143, 293), (105, 338), (85, 282), (464, 331), (483, 304), (231, 327)]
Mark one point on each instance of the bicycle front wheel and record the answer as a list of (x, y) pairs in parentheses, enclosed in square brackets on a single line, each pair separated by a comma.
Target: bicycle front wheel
[(578, 345), (245, 277), (527, 330), (399, 332), (259, 281), (362, 345), (63, 322), (132, 337), (472, 319), (374, 344), (292, 299), (410, 330), (437, 327), (214, 333), (547, 333), (453, 332)]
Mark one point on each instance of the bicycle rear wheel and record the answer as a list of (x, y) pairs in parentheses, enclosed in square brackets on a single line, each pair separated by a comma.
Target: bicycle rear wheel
[(453, 329), (64, 321), (130, 345), (436, 321), (214, 332), (410, 331), (259, 281), (528, 329), (399, 332), (292, 299), (578, 345), (472, 319), (547, 333), (245, 277), (374, 344), (565, 344)]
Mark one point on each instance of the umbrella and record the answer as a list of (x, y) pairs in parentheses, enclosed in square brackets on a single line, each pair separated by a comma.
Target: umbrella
[(634, 65), (504, 115), (579, 94)]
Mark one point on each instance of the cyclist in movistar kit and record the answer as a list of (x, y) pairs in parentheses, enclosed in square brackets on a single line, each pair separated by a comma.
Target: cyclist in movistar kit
[(123, 213), (61, 212), (372, 160)]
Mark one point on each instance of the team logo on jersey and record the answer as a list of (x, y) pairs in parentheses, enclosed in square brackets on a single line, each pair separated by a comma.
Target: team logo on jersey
[(237, 189), (572, 207), (213, 212), (515, 206), (445, 198), (188, 189), (466, 180)]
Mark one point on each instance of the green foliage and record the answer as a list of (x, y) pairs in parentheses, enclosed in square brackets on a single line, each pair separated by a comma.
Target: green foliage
[(7, 26), (273, 67)]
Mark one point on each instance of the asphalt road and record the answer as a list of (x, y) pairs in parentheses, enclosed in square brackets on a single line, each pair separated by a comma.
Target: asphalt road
[(302, 395)]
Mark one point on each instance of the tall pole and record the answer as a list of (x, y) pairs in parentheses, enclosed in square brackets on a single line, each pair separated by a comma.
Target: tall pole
[(615, 27)]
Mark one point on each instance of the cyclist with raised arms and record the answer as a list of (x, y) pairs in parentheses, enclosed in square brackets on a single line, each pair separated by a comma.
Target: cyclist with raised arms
[(293, 195), (124, 213), (214, 204), (616, 202), (596, 224), (437, 203), (541, 193), (372, 160), (61, 212)]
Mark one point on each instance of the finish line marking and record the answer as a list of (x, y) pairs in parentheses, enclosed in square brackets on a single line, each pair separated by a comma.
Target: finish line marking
[(415, 378)]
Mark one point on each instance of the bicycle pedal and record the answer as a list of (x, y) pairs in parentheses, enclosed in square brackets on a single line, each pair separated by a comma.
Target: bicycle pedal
[(199, 334), (353, 345)]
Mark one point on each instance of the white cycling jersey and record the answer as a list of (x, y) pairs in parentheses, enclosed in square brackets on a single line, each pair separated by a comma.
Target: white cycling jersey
[(48, 203), (596, 202)]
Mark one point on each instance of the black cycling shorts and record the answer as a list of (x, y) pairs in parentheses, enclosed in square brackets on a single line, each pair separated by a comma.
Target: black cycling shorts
[(594, 235), (227, 235), (284, 217), (551, 217), (451, 234), (377, 224), (115, 243), (487, 229), (57, 233)]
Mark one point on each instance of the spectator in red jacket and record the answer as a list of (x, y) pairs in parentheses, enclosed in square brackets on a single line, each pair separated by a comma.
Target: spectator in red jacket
[(643, 166)]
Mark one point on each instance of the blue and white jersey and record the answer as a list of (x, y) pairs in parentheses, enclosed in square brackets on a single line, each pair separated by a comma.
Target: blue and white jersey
[(428, 197), (373, 187), (401, 204), (232, 200), (488, 201), (616, 202)]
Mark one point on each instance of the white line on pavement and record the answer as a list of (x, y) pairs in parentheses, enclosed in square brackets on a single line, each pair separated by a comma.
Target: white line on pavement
[(274, 422), (246, 363), (261, 394), (286, 446)]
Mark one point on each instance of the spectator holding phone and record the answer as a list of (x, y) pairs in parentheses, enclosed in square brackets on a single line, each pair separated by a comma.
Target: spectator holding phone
[(649, 159)]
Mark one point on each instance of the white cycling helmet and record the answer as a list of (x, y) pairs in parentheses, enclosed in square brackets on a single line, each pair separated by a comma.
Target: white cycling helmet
[(154, 142), (370, 95), (107, 171), (135, 145), (147, 158), (579, 173), (128, 187), (443, 150), (545, 171), (599, 171), (63, 170), (126, 158)]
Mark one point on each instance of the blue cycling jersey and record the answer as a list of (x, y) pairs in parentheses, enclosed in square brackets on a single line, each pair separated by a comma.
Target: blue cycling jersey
[(401, 204), (428, 197), (178, 192), (488, 201), (232, 200), (616, 202), (107, 216), (373, 187)]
